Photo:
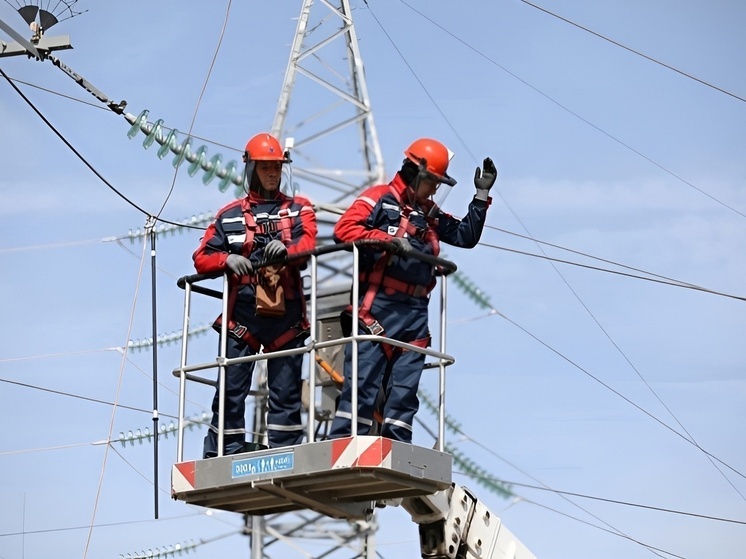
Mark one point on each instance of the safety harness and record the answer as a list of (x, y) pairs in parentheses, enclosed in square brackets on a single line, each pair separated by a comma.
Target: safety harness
[(376, 279), (264, 223)]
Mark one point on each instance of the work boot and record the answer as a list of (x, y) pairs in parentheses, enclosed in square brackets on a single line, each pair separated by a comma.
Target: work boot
[(252, 447), (209, 449)]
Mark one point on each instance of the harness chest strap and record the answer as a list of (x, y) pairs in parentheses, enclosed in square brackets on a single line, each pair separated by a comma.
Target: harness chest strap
[(238, 330), (377, 279), (285, 225)]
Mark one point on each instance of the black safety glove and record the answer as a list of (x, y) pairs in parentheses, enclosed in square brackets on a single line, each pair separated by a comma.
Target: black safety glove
[(275, 250), (402, 245), (484, 179), (239, 265)]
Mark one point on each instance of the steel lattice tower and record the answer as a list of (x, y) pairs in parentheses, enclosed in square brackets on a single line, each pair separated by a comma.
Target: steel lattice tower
[(324, 106), (326, 65)]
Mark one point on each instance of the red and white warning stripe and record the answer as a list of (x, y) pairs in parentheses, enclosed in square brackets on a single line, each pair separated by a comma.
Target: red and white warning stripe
[(182, 477), (364, 451)]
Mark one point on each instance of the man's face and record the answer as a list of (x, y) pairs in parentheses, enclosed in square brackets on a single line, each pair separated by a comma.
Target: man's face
[(426, 188), (269, 174)]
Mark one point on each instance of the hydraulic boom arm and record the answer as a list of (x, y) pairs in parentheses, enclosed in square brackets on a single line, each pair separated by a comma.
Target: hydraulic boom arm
[(454, 524)]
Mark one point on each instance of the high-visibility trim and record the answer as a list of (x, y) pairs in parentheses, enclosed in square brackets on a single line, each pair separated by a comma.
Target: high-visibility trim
[(398, 423), (348, 415), (283, 427), (367, 451), (182, 477)]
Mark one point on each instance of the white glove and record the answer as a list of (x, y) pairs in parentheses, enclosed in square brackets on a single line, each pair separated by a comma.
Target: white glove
[(239, 265)]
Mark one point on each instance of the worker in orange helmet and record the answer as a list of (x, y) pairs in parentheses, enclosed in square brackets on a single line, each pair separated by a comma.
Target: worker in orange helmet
[(267, 310), (395, 287)]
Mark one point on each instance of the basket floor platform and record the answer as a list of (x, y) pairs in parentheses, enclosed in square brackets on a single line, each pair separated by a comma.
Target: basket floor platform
[(342, 478)]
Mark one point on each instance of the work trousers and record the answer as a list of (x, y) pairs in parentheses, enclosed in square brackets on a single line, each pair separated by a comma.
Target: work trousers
[(388, 379), (284, 422)]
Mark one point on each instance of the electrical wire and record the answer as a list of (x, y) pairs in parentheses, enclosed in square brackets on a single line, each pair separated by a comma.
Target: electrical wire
[(488, 245), (656, 550), (622, 396), (597, 322), (422, 85), (80, 156), (137, 471), (79, 397), (116, 401), (564, 108), (54, 245), (102, 525), (44, 449), (579, 253), (199, 102), (673, 283), (456, 428), (629, 504), (100, 107), (638, 53), (629, 362)]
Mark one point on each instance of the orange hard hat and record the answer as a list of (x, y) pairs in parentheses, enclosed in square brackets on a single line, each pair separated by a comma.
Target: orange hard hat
[(265, 147), (433, 155)]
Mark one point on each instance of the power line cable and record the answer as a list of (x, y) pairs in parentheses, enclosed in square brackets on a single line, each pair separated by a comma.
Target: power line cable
[(63, 95), (422, 85), (102, 525), (639, 374), (638, 53), (629, 504), (655, 550), (79, 397), (564, 495), (568, 110), (116, 400), (579, 253), (138, 472), (199, 102), (79, 155), (56, 245), (98, 106), (622, 396), (526, 229), (456, 428), (673, 283)]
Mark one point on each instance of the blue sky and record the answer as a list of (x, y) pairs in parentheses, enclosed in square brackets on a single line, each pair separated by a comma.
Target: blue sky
[(585, 381)]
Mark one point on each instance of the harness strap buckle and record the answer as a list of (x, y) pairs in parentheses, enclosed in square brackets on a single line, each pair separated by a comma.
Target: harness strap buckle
[(374, 327)]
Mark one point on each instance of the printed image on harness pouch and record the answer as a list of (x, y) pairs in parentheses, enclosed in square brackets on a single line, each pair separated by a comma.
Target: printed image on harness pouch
[(270, 296)]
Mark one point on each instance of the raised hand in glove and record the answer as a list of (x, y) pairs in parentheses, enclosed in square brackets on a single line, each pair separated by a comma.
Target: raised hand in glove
[(239, 264), (484, 179), (275, 250), (401, 246)]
